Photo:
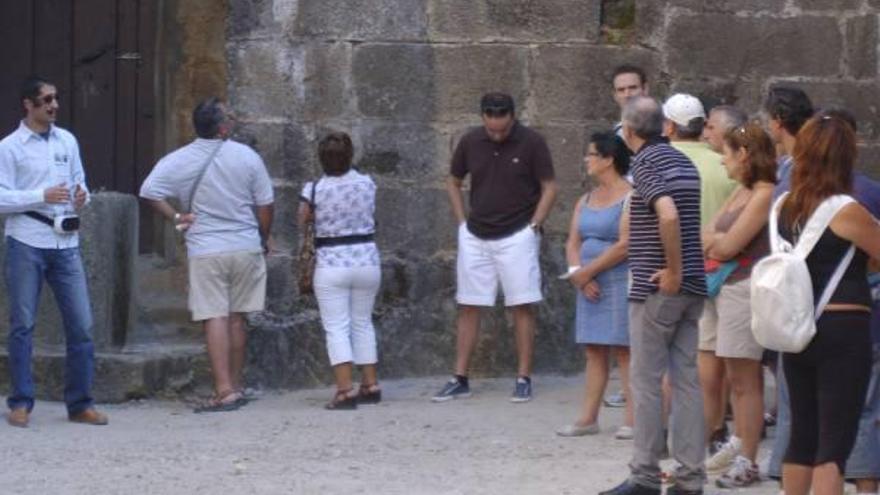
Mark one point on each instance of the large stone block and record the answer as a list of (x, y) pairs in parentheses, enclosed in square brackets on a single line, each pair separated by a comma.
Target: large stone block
[(745, 93), (516, 20), (285, 232), (394, 81), (389, 150), (755, 46), (730, 6), (861, 41), (266, 79), (328, 92), (859, 98), (362, 19), (287, 149), (836, 6), (253, 18), (465, 72), (109, 246), (573, 83), (415, 220)]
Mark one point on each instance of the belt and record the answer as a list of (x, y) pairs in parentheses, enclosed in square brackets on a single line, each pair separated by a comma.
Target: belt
[(343, 240)]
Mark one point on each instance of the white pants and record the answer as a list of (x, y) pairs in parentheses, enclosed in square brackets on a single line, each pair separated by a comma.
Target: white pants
[(512, 261), (345, 300)]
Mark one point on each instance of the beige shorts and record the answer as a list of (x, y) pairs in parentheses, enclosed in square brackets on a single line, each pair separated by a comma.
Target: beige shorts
[(221, 284), (726, 324)]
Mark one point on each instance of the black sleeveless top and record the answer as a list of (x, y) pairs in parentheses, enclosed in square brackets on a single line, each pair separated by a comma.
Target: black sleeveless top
[(823, 260)]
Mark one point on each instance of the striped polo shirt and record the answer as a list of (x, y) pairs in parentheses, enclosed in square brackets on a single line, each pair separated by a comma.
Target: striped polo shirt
[(661, 170)]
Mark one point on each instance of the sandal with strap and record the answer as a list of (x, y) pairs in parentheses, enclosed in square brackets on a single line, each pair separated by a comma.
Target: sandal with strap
[(229, 400), (343, 401), (370, 394)]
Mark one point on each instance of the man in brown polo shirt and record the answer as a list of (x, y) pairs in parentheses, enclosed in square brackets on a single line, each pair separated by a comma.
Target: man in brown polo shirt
[(512, 191)]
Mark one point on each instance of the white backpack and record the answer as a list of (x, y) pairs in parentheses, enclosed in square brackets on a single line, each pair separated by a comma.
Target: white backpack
[(783, 311)]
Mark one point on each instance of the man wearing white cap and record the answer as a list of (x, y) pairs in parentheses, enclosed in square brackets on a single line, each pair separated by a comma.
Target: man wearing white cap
[(685, 119)]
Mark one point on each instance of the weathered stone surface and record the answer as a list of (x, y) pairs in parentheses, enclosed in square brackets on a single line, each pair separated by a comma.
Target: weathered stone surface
[(285, 232), (465, 73), (765, 46), (728, 6), (836, 6), (266, 79), (287, 149), (859, 98), (121, 377), (869, 160), (520, 20), (108, 241), (425, 211), (247, 19), (745, 93), (394, 81), (328, 94), (574, 83), (362, 19), (402, 151), (861, 41)]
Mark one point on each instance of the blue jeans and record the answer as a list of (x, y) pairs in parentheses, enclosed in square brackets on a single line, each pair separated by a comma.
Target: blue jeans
[(26, 267)]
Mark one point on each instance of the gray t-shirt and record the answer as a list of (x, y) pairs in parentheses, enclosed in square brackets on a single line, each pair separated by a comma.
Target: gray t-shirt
[(234, 183)]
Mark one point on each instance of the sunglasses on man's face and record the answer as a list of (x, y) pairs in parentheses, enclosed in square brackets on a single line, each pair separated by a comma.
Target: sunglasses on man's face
[(45, 99), (496, 111)]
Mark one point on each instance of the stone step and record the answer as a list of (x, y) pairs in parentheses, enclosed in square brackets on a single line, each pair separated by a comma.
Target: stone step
[(132, 373)]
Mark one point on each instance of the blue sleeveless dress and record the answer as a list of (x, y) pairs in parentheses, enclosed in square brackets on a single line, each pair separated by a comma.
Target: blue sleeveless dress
[(606, 321)]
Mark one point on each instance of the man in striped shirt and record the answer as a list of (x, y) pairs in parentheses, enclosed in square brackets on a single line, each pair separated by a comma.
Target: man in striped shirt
[(666, 301)]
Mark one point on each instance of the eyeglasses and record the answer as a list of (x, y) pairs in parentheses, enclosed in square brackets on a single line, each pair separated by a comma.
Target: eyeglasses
[(46, 99), (593, 153), (496, 111)]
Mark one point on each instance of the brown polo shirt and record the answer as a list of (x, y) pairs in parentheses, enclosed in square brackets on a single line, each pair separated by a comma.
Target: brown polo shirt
[(505, 178)]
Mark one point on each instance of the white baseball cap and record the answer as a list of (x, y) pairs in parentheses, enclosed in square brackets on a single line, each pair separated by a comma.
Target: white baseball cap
[(681, 109)]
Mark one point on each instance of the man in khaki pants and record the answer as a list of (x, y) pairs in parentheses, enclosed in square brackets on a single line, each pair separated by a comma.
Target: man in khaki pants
[(221, 183)]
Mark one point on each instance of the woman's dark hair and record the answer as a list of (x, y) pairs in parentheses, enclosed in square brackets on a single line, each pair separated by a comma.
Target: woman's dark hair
[(609, 145), (761, 152), (824, 156), (790, 106), (335, 152)]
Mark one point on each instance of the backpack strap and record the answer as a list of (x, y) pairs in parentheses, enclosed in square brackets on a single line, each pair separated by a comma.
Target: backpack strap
[(818, 222), (813, 230), (777, 243)]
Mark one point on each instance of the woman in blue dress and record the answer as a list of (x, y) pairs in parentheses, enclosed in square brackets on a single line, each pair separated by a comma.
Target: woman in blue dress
[(596, 251)]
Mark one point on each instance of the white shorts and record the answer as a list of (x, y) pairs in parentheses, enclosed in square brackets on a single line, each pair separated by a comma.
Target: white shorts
[(512, 260)]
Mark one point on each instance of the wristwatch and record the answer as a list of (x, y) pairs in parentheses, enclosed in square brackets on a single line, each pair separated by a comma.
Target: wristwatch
[(177, 218)]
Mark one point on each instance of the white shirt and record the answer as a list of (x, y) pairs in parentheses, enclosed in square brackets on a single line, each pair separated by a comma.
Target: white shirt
[(30, 164), (344, 206), (233, 184)]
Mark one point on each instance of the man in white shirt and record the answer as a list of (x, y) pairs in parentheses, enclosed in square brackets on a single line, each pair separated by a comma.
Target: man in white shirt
[(227, 191), (42, 187)]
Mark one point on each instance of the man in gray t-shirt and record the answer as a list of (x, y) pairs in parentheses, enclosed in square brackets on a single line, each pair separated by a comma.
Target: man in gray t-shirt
[(222, 184)]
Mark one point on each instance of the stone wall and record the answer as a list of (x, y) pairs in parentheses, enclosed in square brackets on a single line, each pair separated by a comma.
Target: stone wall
[(404, 77)]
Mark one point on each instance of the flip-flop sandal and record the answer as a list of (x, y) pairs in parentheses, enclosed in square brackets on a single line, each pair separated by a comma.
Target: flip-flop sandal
[(220, 404)]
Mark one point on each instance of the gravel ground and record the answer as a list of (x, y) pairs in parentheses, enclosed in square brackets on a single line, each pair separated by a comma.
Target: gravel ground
[(286, 443)]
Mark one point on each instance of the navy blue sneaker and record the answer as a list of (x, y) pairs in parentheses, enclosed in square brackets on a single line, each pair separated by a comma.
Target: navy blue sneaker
[(454, 389), (523, 390)]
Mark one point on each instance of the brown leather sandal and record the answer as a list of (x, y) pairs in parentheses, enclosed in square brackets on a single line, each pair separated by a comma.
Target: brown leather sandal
[(342, 401), (229, 400), (370, 394)]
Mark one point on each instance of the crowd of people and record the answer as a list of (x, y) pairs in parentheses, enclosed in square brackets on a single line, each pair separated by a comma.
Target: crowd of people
[(681, 206)]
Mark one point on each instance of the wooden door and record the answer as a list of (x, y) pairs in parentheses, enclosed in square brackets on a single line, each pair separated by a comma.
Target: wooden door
[(101, 56)]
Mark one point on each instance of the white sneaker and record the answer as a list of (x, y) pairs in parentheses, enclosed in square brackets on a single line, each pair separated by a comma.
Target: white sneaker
[(624, 433), (723, 458), (741, 474)]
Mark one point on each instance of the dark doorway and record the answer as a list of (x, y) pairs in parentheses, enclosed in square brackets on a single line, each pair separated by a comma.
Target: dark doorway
[(101, 54)]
